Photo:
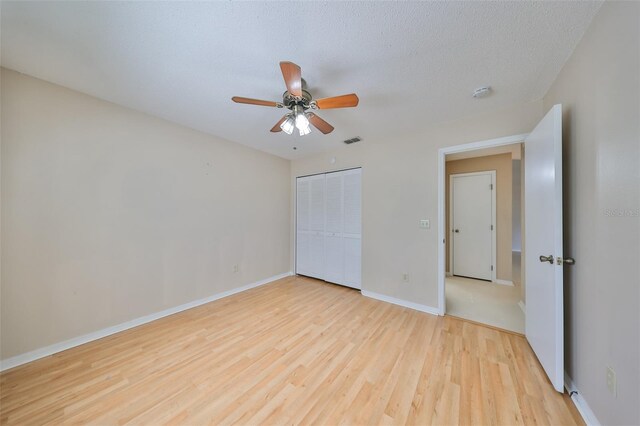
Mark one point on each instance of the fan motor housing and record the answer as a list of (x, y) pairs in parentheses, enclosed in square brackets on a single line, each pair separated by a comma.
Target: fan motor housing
[(289, 101)]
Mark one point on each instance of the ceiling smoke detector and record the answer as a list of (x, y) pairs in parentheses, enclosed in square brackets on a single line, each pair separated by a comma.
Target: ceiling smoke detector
[(482, 92)]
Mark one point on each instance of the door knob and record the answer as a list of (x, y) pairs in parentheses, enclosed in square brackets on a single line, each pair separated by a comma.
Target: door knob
[(566, 261), (456, 230), (547, 259)]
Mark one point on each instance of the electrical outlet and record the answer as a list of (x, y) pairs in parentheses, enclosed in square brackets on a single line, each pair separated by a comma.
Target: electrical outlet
[(405, 277), (236, 268), (612, 384), (425, 223)]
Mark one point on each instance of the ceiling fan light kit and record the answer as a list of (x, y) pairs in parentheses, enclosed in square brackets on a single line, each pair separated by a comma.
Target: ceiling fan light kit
[(302, 123), (299, 101), (288, 124)]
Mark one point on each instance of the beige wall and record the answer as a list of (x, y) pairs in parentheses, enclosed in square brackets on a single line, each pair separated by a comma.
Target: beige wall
[(399, 187), (599, 88), (503, 167), (109, 214)]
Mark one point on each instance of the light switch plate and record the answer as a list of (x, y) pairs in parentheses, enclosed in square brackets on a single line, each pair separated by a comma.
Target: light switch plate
[(425, 224)]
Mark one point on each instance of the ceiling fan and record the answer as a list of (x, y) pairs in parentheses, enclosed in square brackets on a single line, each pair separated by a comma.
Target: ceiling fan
[(299, 101)]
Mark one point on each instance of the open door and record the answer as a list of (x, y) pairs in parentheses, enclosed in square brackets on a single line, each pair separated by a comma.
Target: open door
[(544, 326)]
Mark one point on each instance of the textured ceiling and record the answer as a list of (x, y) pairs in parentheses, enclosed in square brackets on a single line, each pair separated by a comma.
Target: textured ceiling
[(410, 63)]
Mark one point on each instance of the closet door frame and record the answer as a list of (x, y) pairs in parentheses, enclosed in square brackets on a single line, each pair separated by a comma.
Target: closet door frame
[(295, 204)]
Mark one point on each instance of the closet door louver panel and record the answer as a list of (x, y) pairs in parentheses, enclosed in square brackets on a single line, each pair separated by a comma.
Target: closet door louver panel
[(352, 235), (310, 226), (316, 203), (302, 204), (315, 234), (302, 253), (352, 262), (353, 201), (334, 214), (302, 226)]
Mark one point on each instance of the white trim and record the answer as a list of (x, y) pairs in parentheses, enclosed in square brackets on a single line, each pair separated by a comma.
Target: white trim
[(77, 341), (400, 302), (494, 224), (581, 404), (523, 307), (516, 251), (503, 282), (442, 152)]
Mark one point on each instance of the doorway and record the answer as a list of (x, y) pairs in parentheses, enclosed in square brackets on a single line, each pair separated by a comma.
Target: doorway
[(483, 281), (542, 249)]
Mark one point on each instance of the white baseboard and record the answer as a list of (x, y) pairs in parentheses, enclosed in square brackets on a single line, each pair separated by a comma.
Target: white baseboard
[(523, 307), (400, 302), (581, 404), (77, 341), (503, 282)]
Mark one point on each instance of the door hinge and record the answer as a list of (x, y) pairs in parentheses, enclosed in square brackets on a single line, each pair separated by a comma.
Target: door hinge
[(492, 227), (491, 186), (492, 267)]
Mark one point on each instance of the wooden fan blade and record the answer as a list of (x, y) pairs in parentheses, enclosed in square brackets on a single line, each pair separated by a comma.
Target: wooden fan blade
[(277, 128), (250, 101), (344, 101), (319, 123), (292, 77)]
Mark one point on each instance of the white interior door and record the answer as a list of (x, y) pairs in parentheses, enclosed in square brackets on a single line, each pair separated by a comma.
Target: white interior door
[(472, 224), (543, 244)]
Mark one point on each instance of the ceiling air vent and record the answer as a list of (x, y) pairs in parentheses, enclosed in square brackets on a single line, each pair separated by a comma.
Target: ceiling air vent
[(353, 140)]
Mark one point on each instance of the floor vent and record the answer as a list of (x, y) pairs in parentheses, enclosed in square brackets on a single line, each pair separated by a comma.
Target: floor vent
[(353, 140)]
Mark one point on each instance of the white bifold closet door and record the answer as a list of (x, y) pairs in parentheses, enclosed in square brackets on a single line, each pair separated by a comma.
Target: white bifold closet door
[(330, 248), (352, 227), (310, 226)]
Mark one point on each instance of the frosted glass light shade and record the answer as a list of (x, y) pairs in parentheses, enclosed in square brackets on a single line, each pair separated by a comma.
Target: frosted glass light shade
[(288, 125)]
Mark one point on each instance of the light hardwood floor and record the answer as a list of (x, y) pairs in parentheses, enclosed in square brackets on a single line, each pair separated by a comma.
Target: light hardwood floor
[(297, 351)]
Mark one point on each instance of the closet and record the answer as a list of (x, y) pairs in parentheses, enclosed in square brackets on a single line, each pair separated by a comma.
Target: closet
[(328, 227)]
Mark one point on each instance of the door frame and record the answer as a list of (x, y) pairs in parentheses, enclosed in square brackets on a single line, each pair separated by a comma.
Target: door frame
[(442, 153), (494, 229)]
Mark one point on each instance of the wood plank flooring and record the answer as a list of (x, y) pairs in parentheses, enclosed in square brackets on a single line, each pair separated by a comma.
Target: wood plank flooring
[(297, 351)]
